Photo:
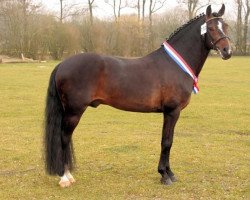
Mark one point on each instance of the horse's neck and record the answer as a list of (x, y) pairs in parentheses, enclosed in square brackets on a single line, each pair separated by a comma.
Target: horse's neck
[(191, 47)]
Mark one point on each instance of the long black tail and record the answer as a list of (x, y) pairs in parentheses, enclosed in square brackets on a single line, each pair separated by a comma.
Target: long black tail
[(53, 130)]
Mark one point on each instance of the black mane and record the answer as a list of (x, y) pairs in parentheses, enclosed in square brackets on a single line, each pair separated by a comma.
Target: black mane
[(184, 26)]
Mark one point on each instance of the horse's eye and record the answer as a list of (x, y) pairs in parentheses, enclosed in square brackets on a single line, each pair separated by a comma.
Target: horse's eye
[(211, 28)]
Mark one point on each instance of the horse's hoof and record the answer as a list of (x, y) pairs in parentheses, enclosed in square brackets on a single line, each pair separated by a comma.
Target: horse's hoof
[(69, 176), (173, 178), (166, 181), (64, 184), (72, 180)]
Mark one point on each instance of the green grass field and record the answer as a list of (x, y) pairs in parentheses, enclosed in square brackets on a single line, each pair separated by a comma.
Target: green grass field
[(117, 152)]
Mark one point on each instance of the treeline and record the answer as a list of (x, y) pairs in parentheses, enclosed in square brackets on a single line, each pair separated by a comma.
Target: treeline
[(28, 29)]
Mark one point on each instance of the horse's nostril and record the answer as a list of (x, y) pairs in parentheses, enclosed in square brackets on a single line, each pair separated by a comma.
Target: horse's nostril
[(225, 49), (226, 53)]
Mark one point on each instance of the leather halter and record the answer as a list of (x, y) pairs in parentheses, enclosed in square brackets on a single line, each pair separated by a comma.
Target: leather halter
[(213, 43)]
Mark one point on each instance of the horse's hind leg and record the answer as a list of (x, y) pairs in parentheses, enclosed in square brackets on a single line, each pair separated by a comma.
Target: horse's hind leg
[(69, 123), (67, 179)]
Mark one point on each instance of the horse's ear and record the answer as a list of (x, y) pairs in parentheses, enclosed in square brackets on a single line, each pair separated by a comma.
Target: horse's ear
[(208, 11), (222, 10)]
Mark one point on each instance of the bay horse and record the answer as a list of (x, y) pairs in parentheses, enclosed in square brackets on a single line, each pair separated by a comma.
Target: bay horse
[(158, 82)]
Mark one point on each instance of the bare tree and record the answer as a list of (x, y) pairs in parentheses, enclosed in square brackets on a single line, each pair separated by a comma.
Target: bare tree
[(238, 44), (245, 26), (67, 10), (243, 12), (194, 5), (143, 9), (90, 3), (61, 10), (117, 6), (154, 6), (138, 10), (24, 21), (19, 31), (139, 5)]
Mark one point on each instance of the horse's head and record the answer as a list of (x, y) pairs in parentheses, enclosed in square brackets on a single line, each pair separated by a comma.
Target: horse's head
[(216, 30)]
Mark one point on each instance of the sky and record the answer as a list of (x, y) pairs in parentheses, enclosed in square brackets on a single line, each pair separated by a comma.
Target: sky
[(103, 10)]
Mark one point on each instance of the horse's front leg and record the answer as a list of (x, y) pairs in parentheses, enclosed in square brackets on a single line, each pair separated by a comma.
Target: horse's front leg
[(170, 119)]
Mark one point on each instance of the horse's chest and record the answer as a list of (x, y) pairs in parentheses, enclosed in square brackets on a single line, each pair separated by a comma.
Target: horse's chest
[(175, 95)]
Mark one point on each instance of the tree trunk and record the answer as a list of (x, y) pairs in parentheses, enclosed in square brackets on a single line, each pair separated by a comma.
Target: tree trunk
[(119, 9), (151, 35), (61, 10), (245, 28), (114, 9), (90, 2), (239, 27), (24, 37), (150, 12), (138, 10), (143, 9), (192, 5)]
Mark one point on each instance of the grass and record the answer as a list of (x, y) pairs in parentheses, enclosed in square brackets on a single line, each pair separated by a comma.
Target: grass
[(117, 152)]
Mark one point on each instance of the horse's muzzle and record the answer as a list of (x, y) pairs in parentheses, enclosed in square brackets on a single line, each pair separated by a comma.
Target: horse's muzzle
[(225, 53)]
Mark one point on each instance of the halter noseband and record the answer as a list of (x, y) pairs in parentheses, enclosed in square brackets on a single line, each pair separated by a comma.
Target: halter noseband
[(213, 43)]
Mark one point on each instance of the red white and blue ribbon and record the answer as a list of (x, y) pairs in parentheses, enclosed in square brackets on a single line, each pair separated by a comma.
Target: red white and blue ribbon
[(182, 64)]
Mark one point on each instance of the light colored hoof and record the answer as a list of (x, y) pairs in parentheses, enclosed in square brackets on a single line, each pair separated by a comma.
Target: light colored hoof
[(69, 176), (65, 184), (72, 180)]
